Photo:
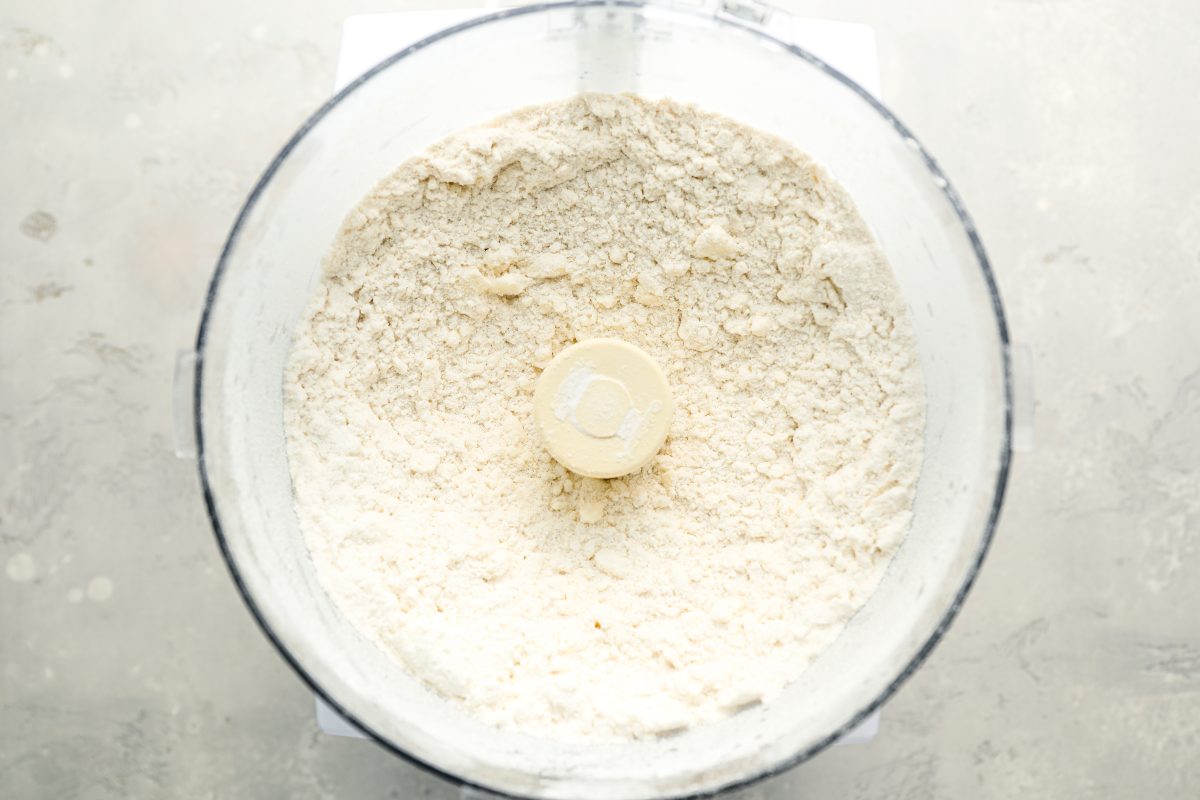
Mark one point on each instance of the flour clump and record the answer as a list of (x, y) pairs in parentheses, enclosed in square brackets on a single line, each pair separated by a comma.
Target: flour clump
[(574, 607)]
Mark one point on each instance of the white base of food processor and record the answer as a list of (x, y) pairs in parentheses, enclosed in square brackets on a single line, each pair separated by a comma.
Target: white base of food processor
[(367, 39)]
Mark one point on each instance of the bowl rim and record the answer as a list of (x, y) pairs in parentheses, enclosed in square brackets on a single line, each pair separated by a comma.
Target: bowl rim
[(697, 13)]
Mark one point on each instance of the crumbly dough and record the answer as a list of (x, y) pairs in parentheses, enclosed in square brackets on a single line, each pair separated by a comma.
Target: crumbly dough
[(575, 607)]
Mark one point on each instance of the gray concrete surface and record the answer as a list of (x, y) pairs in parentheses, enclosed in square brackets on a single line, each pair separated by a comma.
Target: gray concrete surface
[(132, 132)]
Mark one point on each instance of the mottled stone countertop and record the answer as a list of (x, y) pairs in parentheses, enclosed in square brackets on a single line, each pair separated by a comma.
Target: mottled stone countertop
[(128, 665)]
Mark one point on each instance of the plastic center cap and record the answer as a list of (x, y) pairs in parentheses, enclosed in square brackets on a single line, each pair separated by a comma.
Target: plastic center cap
[(603, 408)]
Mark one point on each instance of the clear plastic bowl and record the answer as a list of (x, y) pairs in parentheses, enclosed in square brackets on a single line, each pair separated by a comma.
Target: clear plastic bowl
[(734, 59)]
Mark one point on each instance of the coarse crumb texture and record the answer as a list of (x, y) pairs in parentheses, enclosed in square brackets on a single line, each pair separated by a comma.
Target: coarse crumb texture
[(580, 608)]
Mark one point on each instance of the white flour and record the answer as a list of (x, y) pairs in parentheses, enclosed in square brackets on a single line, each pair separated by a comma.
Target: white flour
[(576, 607)]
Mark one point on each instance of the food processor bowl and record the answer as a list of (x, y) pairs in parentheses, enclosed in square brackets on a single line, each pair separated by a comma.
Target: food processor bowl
[(733, 58)]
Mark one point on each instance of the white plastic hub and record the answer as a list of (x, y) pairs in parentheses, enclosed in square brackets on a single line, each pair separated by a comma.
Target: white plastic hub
[(603, 408)]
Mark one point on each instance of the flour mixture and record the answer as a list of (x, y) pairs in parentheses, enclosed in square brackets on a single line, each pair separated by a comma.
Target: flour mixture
[(605, 609)]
